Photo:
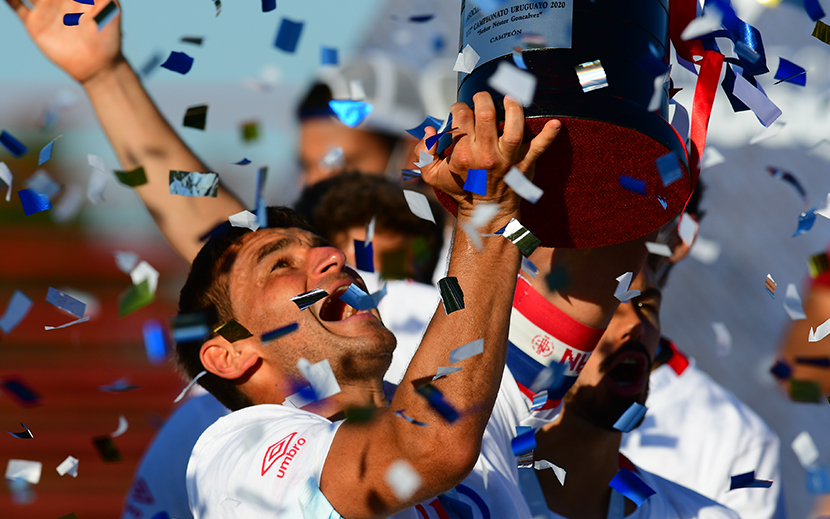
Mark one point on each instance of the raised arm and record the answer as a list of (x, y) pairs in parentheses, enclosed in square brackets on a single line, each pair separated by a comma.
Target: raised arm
[(137, 131), (443, 453)]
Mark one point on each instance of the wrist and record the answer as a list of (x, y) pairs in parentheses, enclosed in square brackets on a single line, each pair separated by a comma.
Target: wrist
[(104, 76)]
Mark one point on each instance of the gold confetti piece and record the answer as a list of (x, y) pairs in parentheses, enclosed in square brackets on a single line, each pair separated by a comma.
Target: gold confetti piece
[(233, 331), (250, 131), (822, 32), (818, 264)]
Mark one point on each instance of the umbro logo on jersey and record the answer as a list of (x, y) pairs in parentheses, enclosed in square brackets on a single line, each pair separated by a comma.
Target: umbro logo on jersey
[(282, 449)]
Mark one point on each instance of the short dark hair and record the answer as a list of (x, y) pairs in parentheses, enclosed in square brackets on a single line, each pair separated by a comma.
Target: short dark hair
[(206, 291), (339, 203)]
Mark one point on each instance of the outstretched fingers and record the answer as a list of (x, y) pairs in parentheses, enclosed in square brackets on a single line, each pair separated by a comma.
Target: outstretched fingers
[(20, 8), (539, 144), (514, 126)]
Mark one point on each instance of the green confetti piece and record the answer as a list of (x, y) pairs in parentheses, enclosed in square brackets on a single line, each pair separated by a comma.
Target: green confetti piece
[(524, 240), (137, 297), (451, 294), (805, 391), (107, 449), (250, 131), (393, 265), (818, 264), (132, 178), (196, 116), (233, 331), (359, 414)]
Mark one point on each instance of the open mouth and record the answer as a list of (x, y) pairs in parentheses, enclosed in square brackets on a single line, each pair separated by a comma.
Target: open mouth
[(334, 309), (627, 374)]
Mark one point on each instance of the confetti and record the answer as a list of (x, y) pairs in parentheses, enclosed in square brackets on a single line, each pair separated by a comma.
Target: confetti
[(514, 82), (106, 15), (244, 219), (419, 205), (307, 299), (818, 480), (687, 229), (757, 101), (748, 481), (232, 331), (143, 271), (591, 75), (178, 62), (711, 157), (65, 302), (822, 32), (402, 479), (106, 449), (320, 376), (523, 187), (659, 249), (482, 214), (243, 162), (789, 178), (781, 370), (451, 294), (350, 112), (279, 332), (789, 72), (218, 4), (155, 343), (633, 184), (409, 174), (43, 183), (122, 427), (709, 22), (723, 339), (328, 56), (250, 131), (622, 293), (558, 471), (443, 371), (529, 268), (135, 298), (806, 220), (261, 208), (355, 297), (770, 285), (476, 181), (523, 443), (25, 435), (67, 325), (20, 392), (437, 402), (821, 362), (333, 159), (805, 391), (195, 117), (370, 229), (805, 449), (72, 19), (630, 418), (17, 148), (522, 238), (669, 168), (119, 386), (190, 327), (820, 333), (28, 471), (466, 351), (445, 130), (98, 181), (46, 151), (6, 177), (189, 385), (466, 61), (133, 178), (17, 310), (818, 264), (409, 418), (792, 303), (188, 183), (419, 131), (195, 40), (33, 202), (631, 486), (364, 256), (814, 10), (68, 466), (421, 18), (288, 35)]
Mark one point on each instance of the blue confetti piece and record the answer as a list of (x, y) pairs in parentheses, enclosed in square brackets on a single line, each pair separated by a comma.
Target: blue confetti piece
[(814, 10), (523, 443), (66, 302), (789, 178), (355, 297), (85, 2), (16, 311), (364, 256), (818, 481), (71, 19), (789, 72), (631, 417), (178, 62), (805, 222), (17, 148), (243, 162), (261, 207), (268, 5), (669, 167), (45, 153), (430, 142), (662, 201), (328, 56), (409, 174), (152, 63), (476, 181), (43, 184), (821, 362), (33, 202), (18, 390), (191, 327), (539, 400), (781, 370), (161, 515), (418, 131), (351, 113), (279, 332), (518, 59), (154, 342), (748, 481), (288, 35), (632, 184), (421, 18), (437, 402), (631, 486)]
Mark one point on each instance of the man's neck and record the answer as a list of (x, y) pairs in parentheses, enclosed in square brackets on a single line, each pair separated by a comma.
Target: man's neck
[(589, 455)]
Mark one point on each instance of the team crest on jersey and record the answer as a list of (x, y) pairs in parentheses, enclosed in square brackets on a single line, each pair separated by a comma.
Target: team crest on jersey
[(541, 345), (281, 450)]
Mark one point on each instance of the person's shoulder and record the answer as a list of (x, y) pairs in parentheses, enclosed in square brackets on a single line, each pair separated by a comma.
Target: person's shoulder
[(270, 417), (684, 502)]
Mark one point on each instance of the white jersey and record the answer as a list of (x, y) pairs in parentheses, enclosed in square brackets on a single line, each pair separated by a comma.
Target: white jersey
[(698, 435), (267, 459), (672, 501)]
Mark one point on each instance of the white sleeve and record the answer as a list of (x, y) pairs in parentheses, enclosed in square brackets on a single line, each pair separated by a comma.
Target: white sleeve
[(757, 503)]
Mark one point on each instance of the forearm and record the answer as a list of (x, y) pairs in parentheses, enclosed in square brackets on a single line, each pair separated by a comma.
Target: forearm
[(141, 136)]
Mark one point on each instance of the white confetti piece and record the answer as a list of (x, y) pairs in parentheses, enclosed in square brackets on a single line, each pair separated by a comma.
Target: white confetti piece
[(792, 304), (69, 204), (96, 162), (468, 350), (514, 82), (482, 214), (723, 339), (559, 471), (244, 219), (370, 230), (26, 470), (711, 157), (68, 466), (805, 449), (356, 90), (659, 249), (657, 94), (97, 185), (424, 159), (320, 376), (143, 271), (467, 60), (767, 133), (820, 333), (825, 211), (125, 261), (67, 325), (591, 75), (708, 23), (402, 479), (419, 205), (189, 385), (122, 427), (622, 292), (333, 159), (6, 177), (705, 251), (687, 229), (757, 101), (523, 187), (443, 371)]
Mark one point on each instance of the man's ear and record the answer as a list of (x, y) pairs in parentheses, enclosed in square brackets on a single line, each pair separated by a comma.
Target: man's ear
[(226, 359)]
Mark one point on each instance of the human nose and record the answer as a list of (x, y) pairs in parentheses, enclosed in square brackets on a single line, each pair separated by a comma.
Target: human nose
[(628, 324), (326, 260)]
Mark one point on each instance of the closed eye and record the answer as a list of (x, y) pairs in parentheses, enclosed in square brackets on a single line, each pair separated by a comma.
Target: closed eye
[(280, 263)]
